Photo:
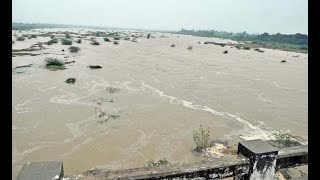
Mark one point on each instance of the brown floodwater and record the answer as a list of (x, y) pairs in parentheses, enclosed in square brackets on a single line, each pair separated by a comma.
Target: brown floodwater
[(165, 93)]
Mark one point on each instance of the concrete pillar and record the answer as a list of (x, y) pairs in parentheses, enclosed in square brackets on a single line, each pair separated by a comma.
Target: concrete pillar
[(263, 158), (49, 170)]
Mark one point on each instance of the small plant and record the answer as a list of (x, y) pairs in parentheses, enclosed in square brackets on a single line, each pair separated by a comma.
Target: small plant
[(74, 49), (259, 50), (246, 48), (201, 138), (127, 38), (79, 41), (66, 42), (112, 90), (52, 41), (32, 36), (161, 162), (95, 43), (20, 38), (286, 140), (54, 61), (116, 38), (52, 36), (94, 67), (173, 45), (71, 80), (189, 48), (106, 39), (116, 42), (68, 36)]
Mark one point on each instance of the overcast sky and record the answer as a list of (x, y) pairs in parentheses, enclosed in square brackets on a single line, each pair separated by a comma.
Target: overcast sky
[(252, 16)]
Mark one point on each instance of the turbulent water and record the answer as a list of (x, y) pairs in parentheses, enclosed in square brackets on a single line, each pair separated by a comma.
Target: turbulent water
[(165, 93)]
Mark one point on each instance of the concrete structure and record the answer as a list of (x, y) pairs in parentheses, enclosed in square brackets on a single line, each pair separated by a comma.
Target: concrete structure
[(48, 170), (256, 159)]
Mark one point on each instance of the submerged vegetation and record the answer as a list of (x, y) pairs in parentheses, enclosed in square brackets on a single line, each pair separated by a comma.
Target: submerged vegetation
[(283, 139), (74, 49), (66, 42), (71, 80), (52, 41), (20, 38), (54, 63), (201, 138), (161, 162)]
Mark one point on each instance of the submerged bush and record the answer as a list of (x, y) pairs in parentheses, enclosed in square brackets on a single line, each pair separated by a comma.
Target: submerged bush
[(20, 38), (95, 43), (79, 41), (115, 42), (286, 140), (161, 162), (74, 49), (66, 42), (32, 36), (71, 80), (106, 39), (246, 48), (54, 62), (68, 36), (201, 138), (52, 41), (116, 38)]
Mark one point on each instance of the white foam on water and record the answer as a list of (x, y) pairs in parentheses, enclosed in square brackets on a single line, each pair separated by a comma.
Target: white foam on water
[(254, 130)]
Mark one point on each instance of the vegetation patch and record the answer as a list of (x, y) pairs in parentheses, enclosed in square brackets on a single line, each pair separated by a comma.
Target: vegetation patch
[(246, 48), (79, 41), (20, 38), (116, 38), (112, 90), (32, 36), (54, 63), (106, 39), (71, 80), (74, 49), (201, 138), (95, 43), (94, 67), (258, 50), (115, 42), (286, 140), (68, 36), (52, 41), (66, 42), (161, 162), (215, 43)]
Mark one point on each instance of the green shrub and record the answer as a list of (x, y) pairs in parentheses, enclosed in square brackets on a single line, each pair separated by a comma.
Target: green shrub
[(66, 42), (52, 36), (201, 138), (74, 49), (161, 162), (79, 41), (20, 38), (286, 140), (52, 41), (106, 39), (54, 62), (95, 43), (68, 36)]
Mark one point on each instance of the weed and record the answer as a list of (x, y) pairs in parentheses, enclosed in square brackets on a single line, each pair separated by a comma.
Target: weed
[(201, 138)]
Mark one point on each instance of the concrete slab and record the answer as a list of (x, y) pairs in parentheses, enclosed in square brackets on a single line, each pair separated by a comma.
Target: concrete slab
[(47, 170), (258, 146)]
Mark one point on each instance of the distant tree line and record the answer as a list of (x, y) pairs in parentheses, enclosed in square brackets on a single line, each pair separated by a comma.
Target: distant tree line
[(25, 26), (296, 39)]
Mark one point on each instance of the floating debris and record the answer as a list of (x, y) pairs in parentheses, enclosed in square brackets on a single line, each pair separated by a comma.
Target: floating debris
[(94, 67), (71, 80)]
